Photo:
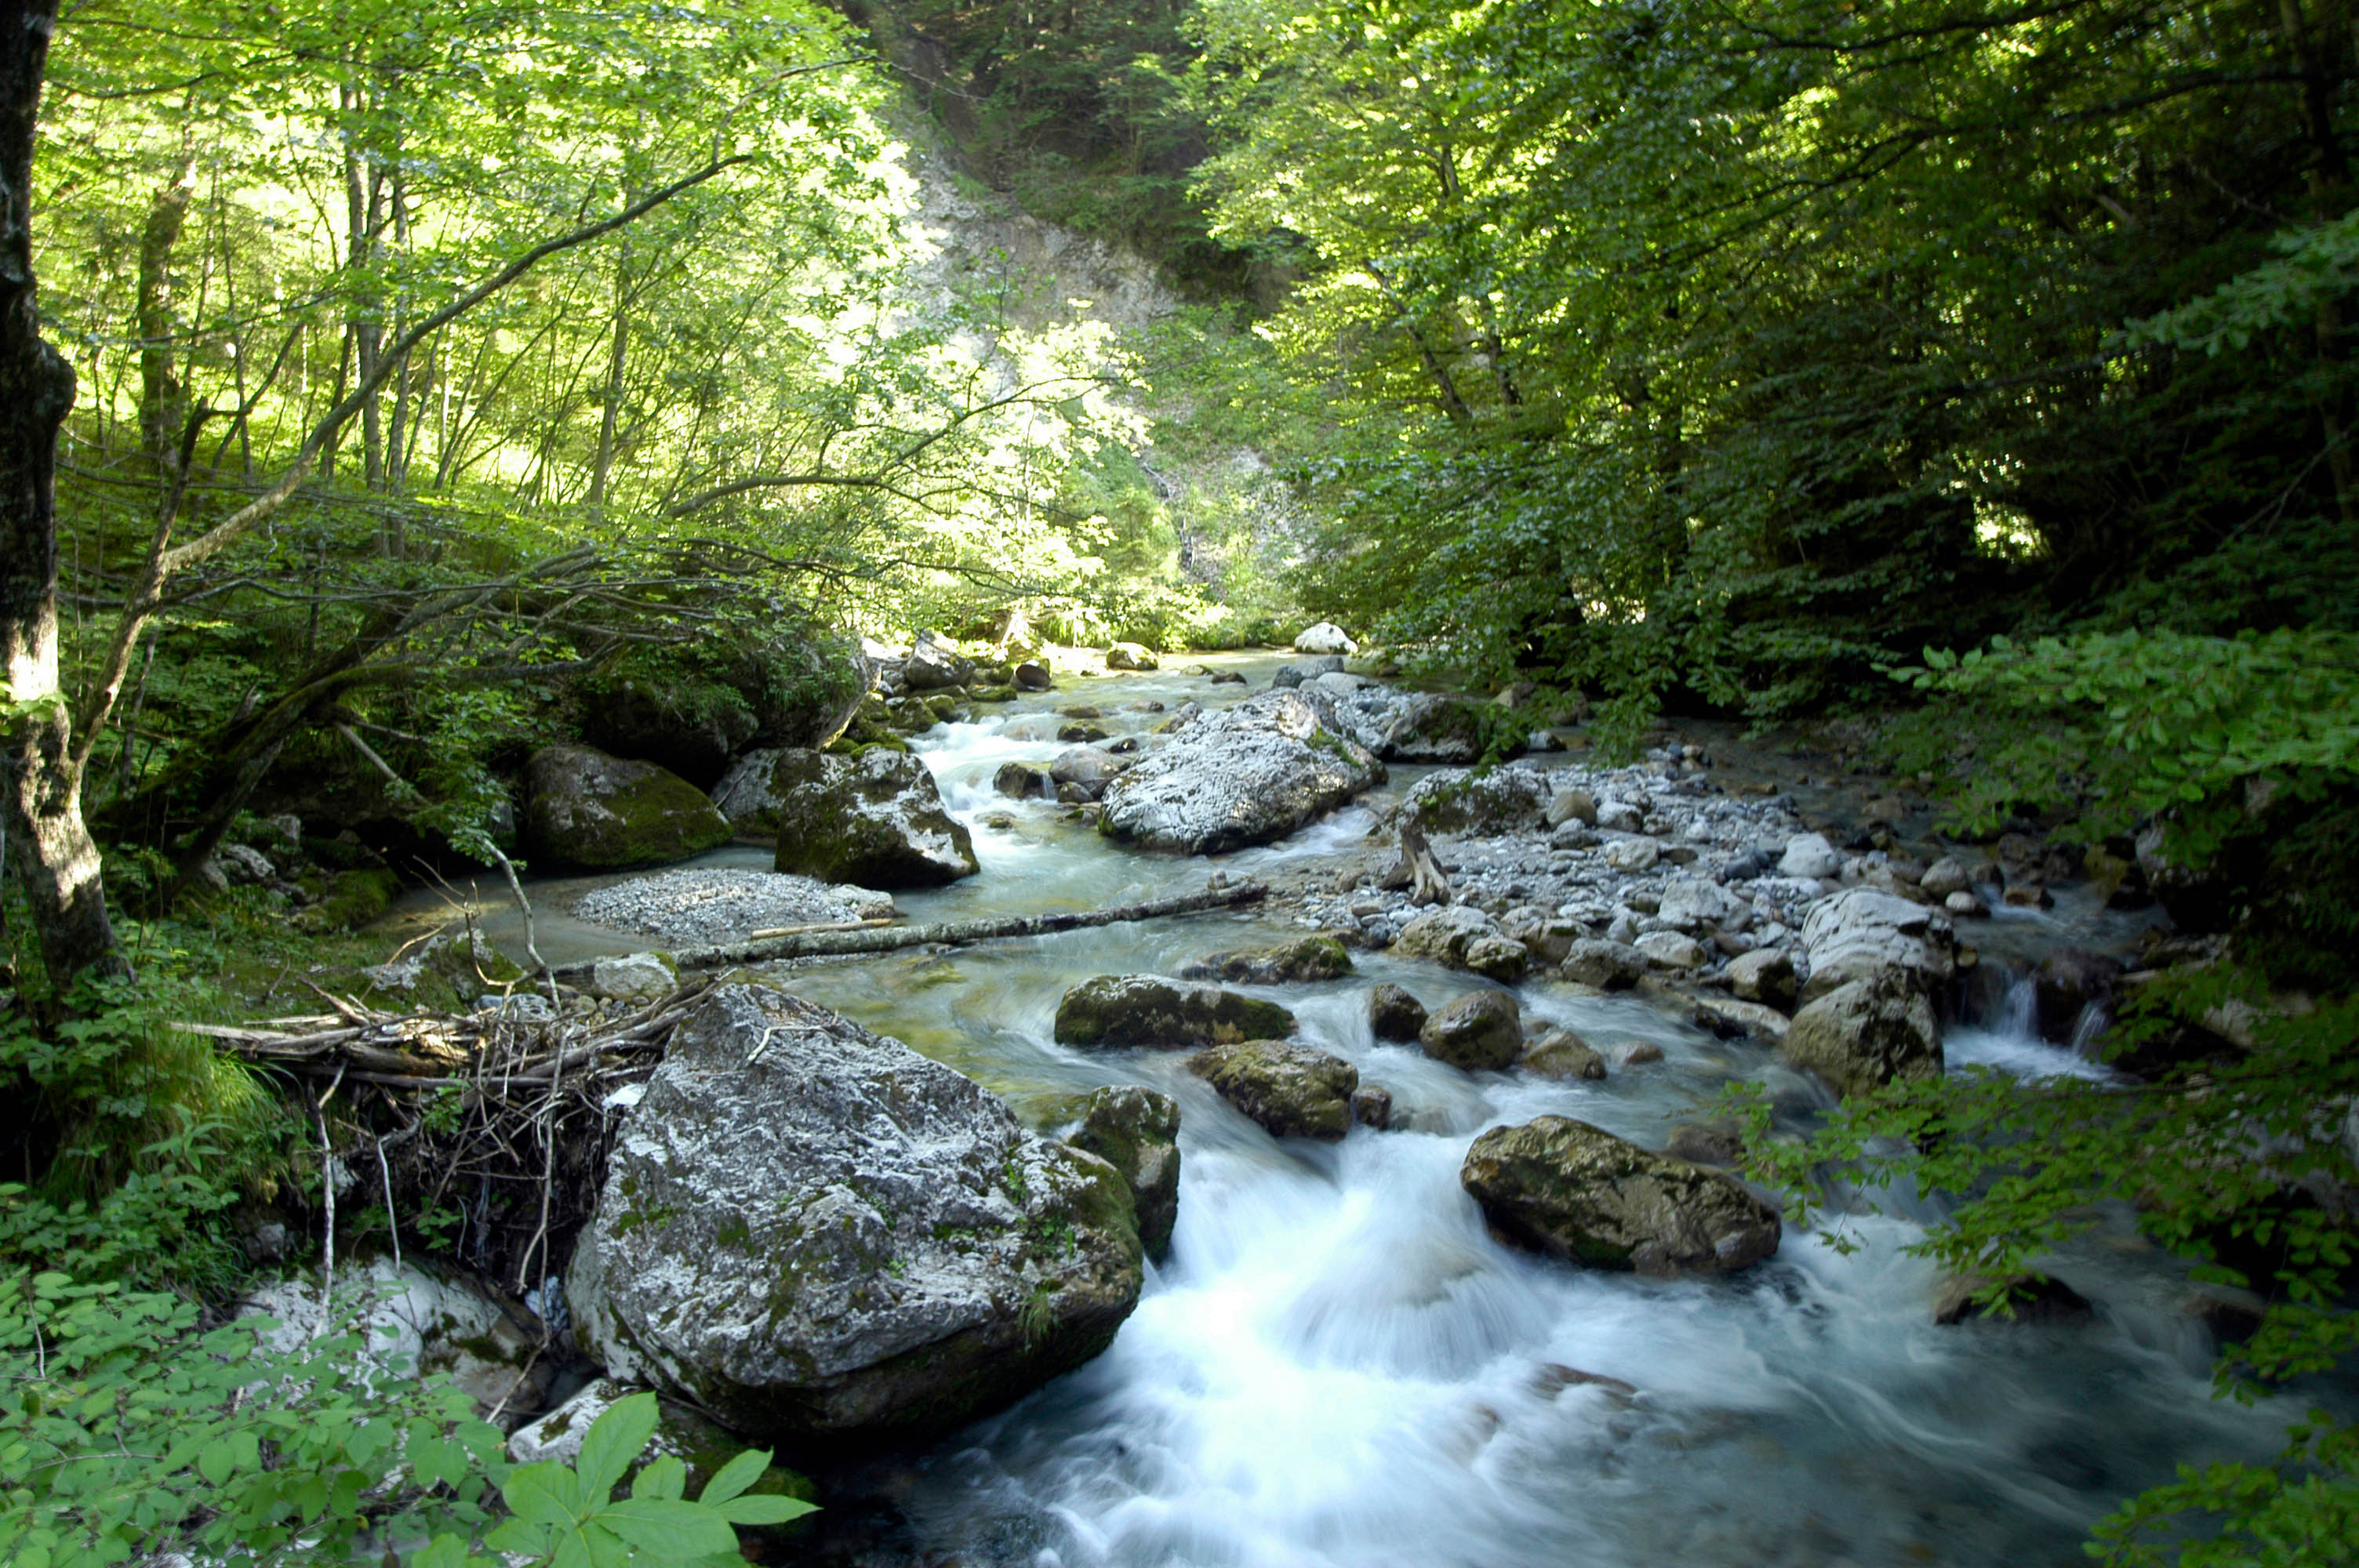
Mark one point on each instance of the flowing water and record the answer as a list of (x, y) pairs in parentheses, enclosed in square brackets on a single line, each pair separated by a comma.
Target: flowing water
[(1337, 1366)]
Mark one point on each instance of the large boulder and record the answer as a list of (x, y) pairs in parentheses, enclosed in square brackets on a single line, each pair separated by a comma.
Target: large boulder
[(692, 731), (875, 820), (1564, 1187), (1131, 656), (1862, 1035), (1324, 637), (1292, 1090), (1172, 1015), (1241, 776), (1444, 934), (1137, 1131), (813, 1232), (1088, 769), (1431, 728), (933, 668), (1862, 931), (1304, 959), (1561, 1053), (600, 813), (1505, 800), (1481, 1030)]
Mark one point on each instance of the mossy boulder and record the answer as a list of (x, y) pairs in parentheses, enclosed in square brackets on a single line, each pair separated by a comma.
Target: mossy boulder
[(1114, 1011), (1480, 1031), (600, 813), (1563, 1187), (875, 820), (1291, 1090), (816, 1234), (349, 899), (1137, 1131), (1308, 958)]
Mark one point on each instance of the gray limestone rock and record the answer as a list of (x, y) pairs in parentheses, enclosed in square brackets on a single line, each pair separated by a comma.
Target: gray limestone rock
[(1241, 776)]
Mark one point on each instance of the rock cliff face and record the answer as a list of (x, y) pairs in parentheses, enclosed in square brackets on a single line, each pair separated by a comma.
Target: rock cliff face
[(813, 1231)]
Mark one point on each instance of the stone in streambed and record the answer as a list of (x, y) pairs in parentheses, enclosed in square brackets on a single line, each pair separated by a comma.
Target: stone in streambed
[(875, 820), (1861, 1036), (1241, 776), (1765, 974), (1561, 1053), (814, 1232), (1394, 1013), (1022, 781), (1137, 1131), (601, 813), (1563, 1187), (1116, 1010), (1863, 932), (1465, 939), (1308, 958), (1480, 1031), (1291, 1090), (2032, 1296)]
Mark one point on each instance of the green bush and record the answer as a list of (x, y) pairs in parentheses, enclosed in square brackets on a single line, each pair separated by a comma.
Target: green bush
[(128, 1429)]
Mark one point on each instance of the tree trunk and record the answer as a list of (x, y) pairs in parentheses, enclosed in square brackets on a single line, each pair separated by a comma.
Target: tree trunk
[(161, 392), (54, 855), (617, 357)]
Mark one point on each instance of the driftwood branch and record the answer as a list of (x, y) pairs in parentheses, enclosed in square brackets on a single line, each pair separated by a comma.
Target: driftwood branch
[(835, 944)]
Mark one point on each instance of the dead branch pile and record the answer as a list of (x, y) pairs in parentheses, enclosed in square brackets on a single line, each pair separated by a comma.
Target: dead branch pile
[(485, 1134)]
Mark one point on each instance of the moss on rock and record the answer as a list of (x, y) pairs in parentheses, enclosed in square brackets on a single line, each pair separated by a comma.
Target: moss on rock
[(602, 813), (1148, 1011)]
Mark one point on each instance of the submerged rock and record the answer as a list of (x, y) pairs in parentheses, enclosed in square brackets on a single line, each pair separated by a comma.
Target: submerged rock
[(1862, 1035), (813, 1231), (1137, 1131), (1241, 776), (1561, 1053), (1291, 1090), (1564, 1187), (1148, 1011), (591, 810), (1480, 1031), (1306, 958), (875, 820)]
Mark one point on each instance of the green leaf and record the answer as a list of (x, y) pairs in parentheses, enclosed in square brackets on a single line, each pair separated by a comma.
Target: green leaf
[(613, 1440), (668, 1528), (666, 1476), (736, 1476), (763, 1509)]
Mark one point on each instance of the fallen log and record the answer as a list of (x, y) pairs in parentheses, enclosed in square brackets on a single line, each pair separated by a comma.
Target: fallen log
[(838, 943)]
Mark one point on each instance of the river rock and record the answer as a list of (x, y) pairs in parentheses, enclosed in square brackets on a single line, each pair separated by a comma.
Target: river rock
[(1500, 958), (1307, 959), (1694, 905), (814, 1232), (2070, 981), (1765, 974), (1480, 1031), (1022, 781), (1137, 1131), (1324, 637), (1131, 656), (1561, 1053), (601, 813), (1371, 1107), (1444, 934), (1572, 805), (634, 974), (1577, 1192), (933, 668), (1291, 1090), (1116, 1010), (1031, 675), (1810, 856), (1862, 1035), (1633, 856), (1088, 769), (1705, 1144), (1394, 1013), (1944, 876), (1303, 672), (1428, 728), (1241, 776), (1505, 800), (2034, 1297), (1670, 950), (875, 820), (644, 719), (1862, 931), (1608, 966)]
